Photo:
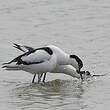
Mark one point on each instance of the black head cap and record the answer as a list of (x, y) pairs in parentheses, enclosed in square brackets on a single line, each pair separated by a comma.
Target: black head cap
[(80, 63)]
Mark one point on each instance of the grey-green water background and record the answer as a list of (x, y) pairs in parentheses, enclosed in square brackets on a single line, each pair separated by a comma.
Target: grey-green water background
[(80, 27)]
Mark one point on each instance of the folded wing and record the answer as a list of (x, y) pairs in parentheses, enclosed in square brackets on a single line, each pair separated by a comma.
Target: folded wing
[(32, 57)]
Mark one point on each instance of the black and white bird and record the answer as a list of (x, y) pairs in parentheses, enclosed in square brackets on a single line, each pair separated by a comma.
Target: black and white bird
[(66, 69), (44, 59), (65, 59), (25, 48)]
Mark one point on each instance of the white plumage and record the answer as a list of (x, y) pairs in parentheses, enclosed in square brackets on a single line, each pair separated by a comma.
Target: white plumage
[(63, 58), (37, 56), (37, 61), (45, 59)]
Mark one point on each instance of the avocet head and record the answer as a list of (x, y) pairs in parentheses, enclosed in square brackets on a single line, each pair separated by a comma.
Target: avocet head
[(76, 62)]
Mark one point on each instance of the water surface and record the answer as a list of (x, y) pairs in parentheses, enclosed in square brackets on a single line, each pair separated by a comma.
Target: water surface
[(78, 27)]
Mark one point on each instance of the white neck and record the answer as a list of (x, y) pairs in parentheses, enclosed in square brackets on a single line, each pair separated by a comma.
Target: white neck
[(66, 69), (62, 57)]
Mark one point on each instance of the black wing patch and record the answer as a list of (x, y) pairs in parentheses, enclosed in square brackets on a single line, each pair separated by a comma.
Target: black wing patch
[(28, 63), (47, 49), (19, 61)]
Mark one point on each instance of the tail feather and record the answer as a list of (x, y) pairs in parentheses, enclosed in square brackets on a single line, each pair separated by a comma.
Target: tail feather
[(6, 63), (15, 63), (4, 66), (10, 66)]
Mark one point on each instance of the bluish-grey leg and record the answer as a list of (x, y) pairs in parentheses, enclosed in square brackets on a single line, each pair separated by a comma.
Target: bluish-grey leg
[(44, 77), (39, 77), (33, 78)]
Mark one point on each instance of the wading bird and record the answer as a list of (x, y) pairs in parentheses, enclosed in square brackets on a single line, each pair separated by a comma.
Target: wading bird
[(44, 59)]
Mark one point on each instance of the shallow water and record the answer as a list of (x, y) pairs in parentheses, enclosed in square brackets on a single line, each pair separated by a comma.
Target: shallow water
[(78, 27)]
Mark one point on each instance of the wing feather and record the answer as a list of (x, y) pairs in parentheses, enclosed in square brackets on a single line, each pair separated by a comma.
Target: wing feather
[(23, 48), (34, 56), (38, 56)]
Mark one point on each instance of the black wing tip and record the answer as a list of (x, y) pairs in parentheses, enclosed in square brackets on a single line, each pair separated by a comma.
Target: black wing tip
[(4, 66), (18, 46), (15, 45), (6, 63)]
